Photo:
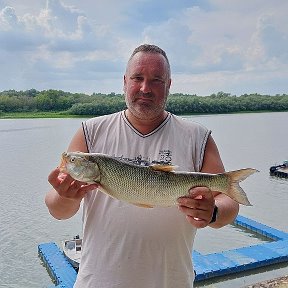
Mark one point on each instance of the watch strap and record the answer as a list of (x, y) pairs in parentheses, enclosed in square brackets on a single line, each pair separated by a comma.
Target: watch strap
[(214, 216)]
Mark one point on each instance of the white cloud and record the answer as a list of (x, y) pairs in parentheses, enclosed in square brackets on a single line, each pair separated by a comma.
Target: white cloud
[(232, 46), (217, 49)]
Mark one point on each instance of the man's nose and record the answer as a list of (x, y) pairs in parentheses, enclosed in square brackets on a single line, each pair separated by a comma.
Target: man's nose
[(145, 86)]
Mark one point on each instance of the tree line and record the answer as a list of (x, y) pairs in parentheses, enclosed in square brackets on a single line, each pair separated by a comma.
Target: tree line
[(100, 104)]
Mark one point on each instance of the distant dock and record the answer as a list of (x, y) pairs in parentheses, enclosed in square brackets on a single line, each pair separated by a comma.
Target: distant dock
[(206, 266), (280, 170)]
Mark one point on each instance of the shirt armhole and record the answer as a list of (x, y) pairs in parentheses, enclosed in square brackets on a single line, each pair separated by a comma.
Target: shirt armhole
[(86, 135), (203, 146)]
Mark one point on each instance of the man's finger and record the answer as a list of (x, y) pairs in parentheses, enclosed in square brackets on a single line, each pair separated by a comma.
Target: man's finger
[(53, 177), (200, 193)]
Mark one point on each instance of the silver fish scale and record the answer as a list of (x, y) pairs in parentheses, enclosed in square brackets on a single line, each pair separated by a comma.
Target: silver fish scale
[(145, 186)]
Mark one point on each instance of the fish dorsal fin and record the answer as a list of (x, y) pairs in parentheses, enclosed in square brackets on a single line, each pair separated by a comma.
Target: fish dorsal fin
[(163, 167)]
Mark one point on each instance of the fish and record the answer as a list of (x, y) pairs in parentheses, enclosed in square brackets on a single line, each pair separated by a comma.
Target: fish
[(149, 186)]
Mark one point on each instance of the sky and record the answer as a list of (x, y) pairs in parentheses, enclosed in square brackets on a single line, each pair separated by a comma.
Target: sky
[(236, 47)]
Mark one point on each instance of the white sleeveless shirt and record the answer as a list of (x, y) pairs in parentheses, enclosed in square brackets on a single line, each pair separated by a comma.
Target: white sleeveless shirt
[(125, 246)]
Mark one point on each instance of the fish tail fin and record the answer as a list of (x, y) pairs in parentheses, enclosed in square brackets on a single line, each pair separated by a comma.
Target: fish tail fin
[(235, 191)]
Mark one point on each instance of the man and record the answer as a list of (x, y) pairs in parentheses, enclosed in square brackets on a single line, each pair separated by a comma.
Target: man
[(128, 246)]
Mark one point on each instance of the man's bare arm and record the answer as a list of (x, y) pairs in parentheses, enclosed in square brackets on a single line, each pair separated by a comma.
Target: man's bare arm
[(199, 206), (227, 208), (64, 199)]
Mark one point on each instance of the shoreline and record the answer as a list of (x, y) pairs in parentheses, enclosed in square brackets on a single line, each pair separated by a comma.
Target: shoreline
[(280, 282), (39, 115), (63, 114)]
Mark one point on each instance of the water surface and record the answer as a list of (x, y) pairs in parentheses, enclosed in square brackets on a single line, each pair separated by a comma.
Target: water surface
[(30, 148)]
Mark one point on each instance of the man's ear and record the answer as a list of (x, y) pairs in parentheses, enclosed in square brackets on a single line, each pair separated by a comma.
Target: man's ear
[(124, 83)]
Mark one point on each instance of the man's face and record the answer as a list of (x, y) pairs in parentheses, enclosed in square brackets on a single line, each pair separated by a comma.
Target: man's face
[(146, 85)]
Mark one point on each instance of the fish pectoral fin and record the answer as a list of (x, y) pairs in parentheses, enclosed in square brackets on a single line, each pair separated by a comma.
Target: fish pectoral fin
[(143, 205), (163, 167)]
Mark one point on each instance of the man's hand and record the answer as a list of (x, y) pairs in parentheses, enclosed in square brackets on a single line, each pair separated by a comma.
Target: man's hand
[(63, 201), (67, 187), (198, 206)]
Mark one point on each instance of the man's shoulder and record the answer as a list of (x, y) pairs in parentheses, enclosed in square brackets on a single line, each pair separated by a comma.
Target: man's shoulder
[(186, 122), (104, 118)]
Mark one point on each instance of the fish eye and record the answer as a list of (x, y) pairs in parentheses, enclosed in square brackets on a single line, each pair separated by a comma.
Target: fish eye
[(72, 159)]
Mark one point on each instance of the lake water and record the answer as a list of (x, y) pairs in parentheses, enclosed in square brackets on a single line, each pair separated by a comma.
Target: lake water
[(30, 148)]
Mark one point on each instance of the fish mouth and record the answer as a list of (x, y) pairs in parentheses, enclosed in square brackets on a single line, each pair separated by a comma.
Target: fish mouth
[(63, 162)]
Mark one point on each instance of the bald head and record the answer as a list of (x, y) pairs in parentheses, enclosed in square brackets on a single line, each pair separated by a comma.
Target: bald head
[(153, 49)]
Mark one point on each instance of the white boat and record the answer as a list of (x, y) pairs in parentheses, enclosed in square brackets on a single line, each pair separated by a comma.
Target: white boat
[(72, 251)]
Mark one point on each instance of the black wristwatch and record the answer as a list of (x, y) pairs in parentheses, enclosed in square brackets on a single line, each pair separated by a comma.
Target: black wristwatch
[(214, 216)]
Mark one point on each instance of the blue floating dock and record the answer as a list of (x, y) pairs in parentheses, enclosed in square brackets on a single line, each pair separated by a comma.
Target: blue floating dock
[(245, 258), (206, 266), (61, 271)]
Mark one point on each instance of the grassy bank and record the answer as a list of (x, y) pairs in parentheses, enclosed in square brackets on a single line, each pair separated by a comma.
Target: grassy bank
[(29, 115), (64, 114)]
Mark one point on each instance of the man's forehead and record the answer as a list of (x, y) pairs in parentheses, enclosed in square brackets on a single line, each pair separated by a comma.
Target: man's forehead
[(152, 61)]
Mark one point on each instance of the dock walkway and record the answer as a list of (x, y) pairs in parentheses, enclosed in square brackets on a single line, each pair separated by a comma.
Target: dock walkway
[(206, 266)]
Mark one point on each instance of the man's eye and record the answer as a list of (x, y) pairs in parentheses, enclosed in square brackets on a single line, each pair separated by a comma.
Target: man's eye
[(158, 80), (137, 78)]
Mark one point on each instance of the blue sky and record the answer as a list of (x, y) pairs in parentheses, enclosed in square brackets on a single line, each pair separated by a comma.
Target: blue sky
[(238, 46)]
